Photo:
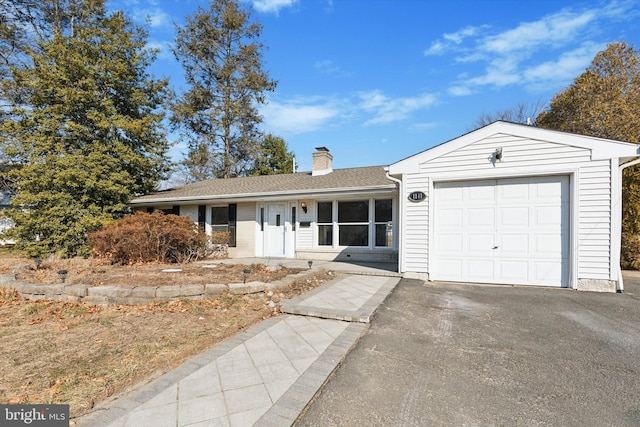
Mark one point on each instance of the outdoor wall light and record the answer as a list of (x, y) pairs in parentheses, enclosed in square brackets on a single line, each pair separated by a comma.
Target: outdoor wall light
[(303, 205), (62, 275), (245, 274), (498, 154), (310, 263)]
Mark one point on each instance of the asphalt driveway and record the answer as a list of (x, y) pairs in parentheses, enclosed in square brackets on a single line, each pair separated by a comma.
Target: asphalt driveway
[(447, 354)]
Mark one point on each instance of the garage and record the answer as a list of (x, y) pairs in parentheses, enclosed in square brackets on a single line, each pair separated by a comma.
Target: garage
[(515, 204), (512, 231)]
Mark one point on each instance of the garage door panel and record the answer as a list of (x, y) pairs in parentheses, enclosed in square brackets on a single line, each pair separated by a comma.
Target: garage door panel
[(450, 194), (516, 244), (450, 243), (480, 270), (514, 216), (513, 231), (548, 245), (513, 191), (449, 218), (548, 189), (480, 244), (516, 272), (550, 215), (483, 192), (450, 269), (480, 217), (548, 273)]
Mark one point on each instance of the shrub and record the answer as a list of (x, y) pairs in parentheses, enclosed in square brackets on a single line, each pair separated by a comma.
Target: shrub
[(154, 237)]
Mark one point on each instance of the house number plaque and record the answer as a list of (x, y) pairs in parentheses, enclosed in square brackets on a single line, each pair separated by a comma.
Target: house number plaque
[(417, 196)]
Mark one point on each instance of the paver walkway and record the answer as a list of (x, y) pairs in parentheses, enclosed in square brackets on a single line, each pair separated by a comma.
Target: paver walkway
[(264, 376)]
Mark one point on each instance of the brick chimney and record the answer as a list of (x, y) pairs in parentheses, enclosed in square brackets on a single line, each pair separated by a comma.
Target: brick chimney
[(322, 162)]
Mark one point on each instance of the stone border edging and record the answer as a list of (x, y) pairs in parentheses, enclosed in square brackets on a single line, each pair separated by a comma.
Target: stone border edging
[(131, 295)]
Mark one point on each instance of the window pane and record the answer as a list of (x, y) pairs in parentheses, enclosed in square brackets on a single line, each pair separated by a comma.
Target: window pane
[(325, 213), (383, 210), (220, 234), (354, 235), (220, 215), (325, 235), (353, 211), (384, 234)]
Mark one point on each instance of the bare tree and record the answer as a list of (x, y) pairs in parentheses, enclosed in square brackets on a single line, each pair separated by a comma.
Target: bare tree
[(521, 113)]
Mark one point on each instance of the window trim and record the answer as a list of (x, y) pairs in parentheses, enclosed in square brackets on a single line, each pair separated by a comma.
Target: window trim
[(371, 224), (231, 224), (326, 224)]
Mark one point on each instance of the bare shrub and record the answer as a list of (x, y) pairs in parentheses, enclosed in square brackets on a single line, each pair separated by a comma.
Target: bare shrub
[(150, 237)]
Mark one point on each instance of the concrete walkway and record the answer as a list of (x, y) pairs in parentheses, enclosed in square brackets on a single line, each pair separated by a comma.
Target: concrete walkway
[(266, 375)]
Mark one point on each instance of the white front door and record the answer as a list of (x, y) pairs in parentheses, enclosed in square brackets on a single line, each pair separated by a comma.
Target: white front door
[(274, 232), (512, 231)]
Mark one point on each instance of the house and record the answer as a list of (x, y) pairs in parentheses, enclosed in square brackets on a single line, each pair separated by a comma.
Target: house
[(514, 204), (504, 204), (326, 214)]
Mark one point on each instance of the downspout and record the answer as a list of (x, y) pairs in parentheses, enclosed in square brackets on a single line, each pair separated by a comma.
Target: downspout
[(622, 168), (400, 212)]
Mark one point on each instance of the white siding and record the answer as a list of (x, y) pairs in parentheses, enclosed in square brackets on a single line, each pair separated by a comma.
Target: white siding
[(305, 234), (594, 232), (517, 153), (520, 157), (416, 228)]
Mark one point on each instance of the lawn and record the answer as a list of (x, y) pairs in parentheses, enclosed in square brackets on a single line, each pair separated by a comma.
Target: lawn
[(80, 354)]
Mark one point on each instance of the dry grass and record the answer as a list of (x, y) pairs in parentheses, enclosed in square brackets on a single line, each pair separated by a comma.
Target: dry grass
[(80, 354), (94, 272)]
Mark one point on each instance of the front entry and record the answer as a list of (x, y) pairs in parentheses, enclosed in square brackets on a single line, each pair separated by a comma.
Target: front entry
[(274, 232)]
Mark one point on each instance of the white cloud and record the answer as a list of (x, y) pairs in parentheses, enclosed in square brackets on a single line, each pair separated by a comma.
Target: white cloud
[(542, 53), (297, 116), (423, 127), (462, 34), (387, 110), (309, 114), (327, 66), (155, 16), (460, 91), (566, 67), (450, 40), (556, 29), (164, 49), (272, 6), (437, 48)]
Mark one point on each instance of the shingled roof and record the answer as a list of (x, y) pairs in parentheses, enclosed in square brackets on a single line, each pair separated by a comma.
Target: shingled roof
[(300, 183)]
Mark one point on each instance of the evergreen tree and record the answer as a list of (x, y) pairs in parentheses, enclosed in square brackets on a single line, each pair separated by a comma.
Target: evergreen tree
[(89, 130), (273, 157), (222, 58), (604, 102)]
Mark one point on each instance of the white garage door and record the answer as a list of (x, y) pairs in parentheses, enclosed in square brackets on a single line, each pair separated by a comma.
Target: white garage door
[(512, 231)]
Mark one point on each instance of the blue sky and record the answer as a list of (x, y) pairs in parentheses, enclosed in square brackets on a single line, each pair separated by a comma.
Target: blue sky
[(376, 81)]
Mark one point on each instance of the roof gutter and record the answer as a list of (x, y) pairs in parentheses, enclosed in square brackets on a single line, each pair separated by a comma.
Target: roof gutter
[(400, 221), (621, 168)]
